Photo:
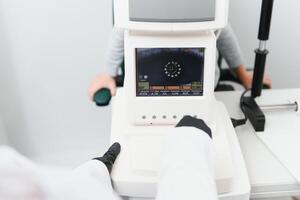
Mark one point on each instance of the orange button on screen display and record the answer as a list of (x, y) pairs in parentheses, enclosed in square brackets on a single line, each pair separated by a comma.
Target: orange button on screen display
[(157, 87), (173, 87)]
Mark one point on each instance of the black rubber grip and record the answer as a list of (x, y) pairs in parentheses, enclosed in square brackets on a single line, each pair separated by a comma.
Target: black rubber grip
[(102, 97)]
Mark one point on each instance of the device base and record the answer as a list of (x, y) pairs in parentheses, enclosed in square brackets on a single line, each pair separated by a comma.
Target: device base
[(136, 175)]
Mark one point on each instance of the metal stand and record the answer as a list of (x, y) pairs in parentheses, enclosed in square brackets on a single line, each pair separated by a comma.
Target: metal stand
[(249, 105)]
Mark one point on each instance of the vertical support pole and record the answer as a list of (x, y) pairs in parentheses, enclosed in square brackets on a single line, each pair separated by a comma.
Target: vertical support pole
[(262, 52)]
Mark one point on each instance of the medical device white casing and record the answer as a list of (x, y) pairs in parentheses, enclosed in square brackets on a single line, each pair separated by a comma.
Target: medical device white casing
[(168, 110), (122, 20), (136, 171), (169, 35), (140, 124)]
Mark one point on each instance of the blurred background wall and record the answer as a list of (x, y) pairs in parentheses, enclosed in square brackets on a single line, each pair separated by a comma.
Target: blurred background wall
[(49, 51)]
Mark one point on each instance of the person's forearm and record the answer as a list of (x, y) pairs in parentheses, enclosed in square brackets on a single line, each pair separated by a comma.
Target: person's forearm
[(241, 72)]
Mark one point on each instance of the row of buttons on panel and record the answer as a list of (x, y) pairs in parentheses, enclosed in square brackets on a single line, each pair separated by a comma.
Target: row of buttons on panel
[(144, 117)]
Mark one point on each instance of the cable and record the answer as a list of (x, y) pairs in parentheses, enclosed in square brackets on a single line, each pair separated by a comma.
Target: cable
[(241, 100), (240, 122)]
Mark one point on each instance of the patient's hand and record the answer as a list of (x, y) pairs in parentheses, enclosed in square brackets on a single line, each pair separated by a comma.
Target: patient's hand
[(100, 82), (246, 78)]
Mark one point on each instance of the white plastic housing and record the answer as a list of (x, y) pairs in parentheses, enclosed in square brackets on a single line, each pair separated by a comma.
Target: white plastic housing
[(167, 110), (136, 171), (122, 20)]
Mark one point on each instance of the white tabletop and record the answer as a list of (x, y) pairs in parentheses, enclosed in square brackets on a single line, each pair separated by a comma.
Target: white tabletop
[(268, 177)]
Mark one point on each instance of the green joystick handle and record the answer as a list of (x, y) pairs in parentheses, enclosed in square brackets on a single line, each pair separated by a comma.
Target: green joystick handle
[(102, 97)]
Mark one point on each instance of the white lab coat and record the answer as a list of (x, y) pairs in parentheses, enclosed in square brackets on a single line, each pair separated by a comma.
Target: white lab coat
[(186, 173), (20, 179)]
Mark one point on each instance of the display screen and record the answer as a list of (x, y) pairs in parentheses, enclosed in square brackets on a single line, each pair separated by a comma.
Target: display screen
[(172, 11), (169, 71)]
